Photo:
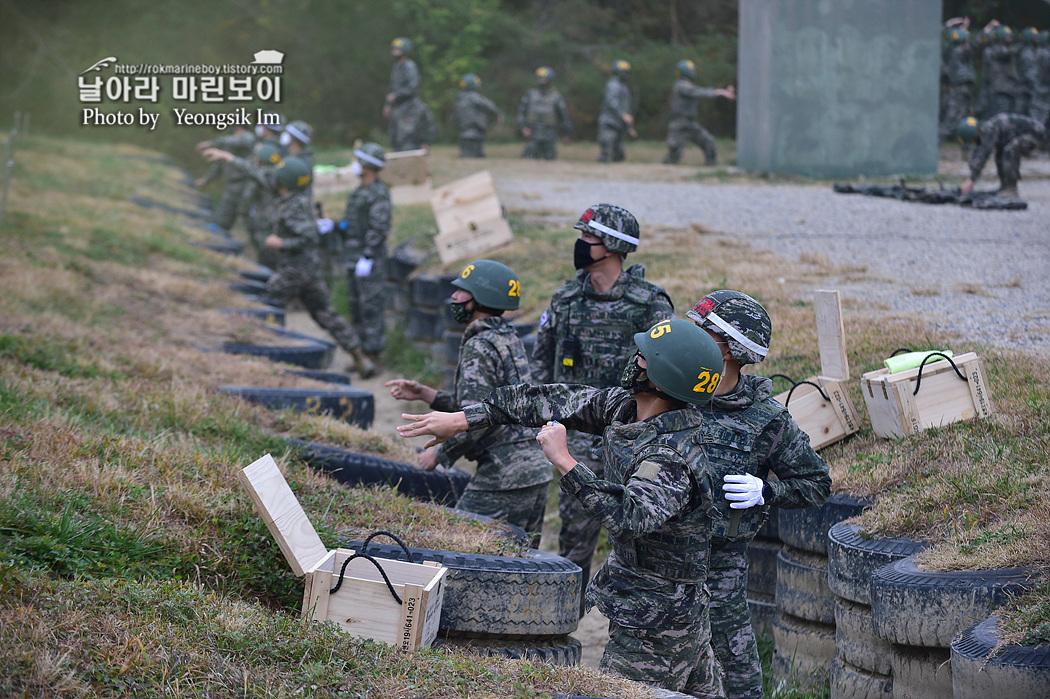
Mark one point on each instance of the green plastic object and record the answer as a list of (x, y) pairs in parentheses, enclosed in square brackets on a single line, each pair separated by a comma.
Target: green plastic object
[(910, 360)]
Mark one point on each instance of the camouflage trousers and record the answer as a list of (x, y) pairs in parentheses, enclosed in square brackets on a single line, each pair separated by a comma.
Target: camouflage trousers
[(682, 131), (229, 205), (732, 637), (958, 104), (471, 147), (265, 256), (1008, 159), (366, 302), (305, 284), (523, 507), (676, 657), (610, 139), (542, 144)]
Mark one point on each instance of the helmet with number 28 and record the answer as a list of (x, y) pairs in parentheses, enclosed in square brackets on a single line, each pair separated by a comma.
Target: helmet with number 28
[(682, 360)]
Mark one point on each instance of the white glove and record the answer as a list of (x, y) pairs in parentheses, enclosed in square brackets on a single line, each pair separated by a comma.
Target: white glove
[(325, 226), (743, 491), (363, 267)]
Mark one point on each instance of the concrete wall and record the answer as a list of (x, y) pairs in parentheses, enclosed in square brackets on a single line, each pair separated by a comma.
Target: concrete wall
[(838, 88)]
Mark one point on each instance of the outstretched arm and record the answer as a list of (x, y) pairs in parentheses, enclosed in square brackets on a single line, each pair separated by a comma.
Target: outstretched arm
[(436, 424)]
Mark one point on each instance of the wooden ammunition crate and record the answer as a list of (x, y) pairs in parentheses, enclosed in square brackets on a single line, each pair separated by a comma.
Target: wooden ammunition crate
[(362, 605), (897, 410), (825, 420)]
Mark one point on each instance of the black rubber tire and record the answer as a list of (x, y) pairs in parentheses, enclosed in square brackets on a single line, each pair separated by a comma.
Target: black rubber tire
[(350, 468), (431, 290), (807, 529), (922, 673), (401, 263), (225, 246), (917, 608), (802, 651), (856, 640), (452, 342), (261, 273), (763, 610), (270, 314), (312, 353), (555, 650), (534, 596), (335, 377), (1014, 671), (802, 586), (422, 325), (762, 566), (851, 682), (852, 559), (352, 405), (250, 288)]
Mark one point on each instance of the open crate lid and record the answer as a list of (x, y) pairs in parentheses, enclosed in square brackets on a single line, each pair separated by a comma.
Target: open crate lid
[(284, 516)]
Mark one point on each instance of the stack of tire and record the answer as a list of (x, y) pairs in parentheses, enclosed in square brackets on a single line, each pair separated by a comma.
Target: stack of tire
[(501, 605), (428, 321), (863, 667), (762, 574), (920, 613), (339, 400), (804, 627), (984, 666)]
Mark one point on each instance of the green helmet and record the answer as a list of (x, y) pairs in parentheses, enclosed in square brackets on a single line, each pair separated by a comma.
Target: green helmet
[(470, 82), (544, 74), (300, 131), (958, 35), (682, 360), (621, 67), (1030, 35), (294, 174), (371, 155), (493, 285), (401, 44), (1002, 34), (967, 130), (740, 319), (267, 153), (685, 69), (614, 225)]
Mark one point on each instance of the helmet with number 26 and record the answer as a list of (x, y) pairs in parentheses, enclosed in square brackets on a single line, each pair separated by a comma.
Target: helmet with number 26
[(682, 360)]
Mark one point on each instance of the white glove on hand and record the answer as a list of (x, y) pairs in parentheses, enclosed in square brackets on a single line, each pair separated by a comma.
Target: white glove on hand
[(325, 226), (743, 491), (363, 267)]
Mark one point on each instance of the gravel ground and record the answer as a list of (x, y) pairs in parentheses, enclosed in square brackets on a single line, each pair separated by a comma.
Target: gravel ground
[(980, 275)]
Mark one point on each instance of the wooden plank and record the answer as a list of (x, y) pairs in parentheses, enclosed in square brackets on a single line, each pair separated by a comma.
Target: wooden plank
[(978, 384), (411, 194), (841, 403), (413, 611), (474, 240), (284, 517), (814, 415), (466, 200), (407, 167), (831, 335), (881, 403)]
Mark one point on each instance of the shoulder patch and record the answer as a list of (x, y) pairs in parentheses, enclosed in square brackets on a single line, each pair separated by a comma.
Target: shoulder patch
[(544, 317), (648, 471)]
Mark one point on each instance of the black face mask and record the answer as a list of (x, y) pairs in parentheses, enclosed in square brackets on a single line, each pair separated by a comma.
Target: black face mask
[(581, 254), (634, 379), (460, 312)]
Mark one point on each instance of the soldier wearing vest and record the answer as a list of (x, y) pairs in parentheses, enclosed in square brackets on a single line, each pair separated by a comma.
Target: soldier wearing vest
[(585, 336), (510, 482), (684, 126), (655, 498), (959, 77), (615, 118), (746, 435), (541, 114), (402, 105), (471, 117), (240, 143)]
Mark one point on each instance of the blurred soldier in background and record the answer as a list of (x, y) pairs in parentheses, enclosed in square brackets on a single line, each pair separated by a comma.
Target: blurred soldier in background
[(959, 76), (684, 126), (615, 118), (240, 144), (402, 105), (1027, 70), (998, 72), (1008, 136), (541, 114), (1039, 109), (470, 117), (295, 139)]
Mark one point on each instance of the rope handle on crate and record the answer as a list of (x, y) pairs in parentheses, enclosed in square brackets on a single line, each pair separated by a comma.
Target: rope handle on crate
[(796, 384), (918, 378), (902, 350), (342, 572)]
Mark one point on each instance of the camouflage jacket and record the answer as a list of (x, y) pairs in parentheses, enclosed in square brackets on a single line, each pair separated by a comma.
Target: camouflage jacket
[(367, 219), (259, 192), (240, 145), (544, 110), (1028, 68), (508, 456), (404, 80), (1041, 88), (294, 222), (746, 431), (999, 69), (996, 132), (586, 337), (616, 101), (686, 96), (958, 65), (655, 499), (470, 113)]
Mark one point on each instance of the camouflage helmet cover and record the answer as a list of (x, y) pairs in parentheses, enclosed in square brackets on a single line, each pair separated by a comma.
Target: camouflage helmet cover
[(300, 131), (470, 81), (371, 155), (267, 153), (493, 284), (681, 359), (740, 319), (686, 68), (294, 174), (614, 225), (967, 130)]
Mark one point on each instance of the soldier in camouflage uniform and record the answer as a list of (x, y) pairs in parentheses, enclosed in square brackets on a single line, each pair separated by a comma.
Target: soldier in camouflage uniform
[(512, 474), (294, 236), (655, 497), (747, 435), (295, 139), (585, 337), (364, 230), (684, 125), (615, 118), (402, 105), (417, 127), (1027, 70), (1009, 136), (1039, 109), (999, 85), (541, 114), (240, 143), (959, 76), (470, 117)]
